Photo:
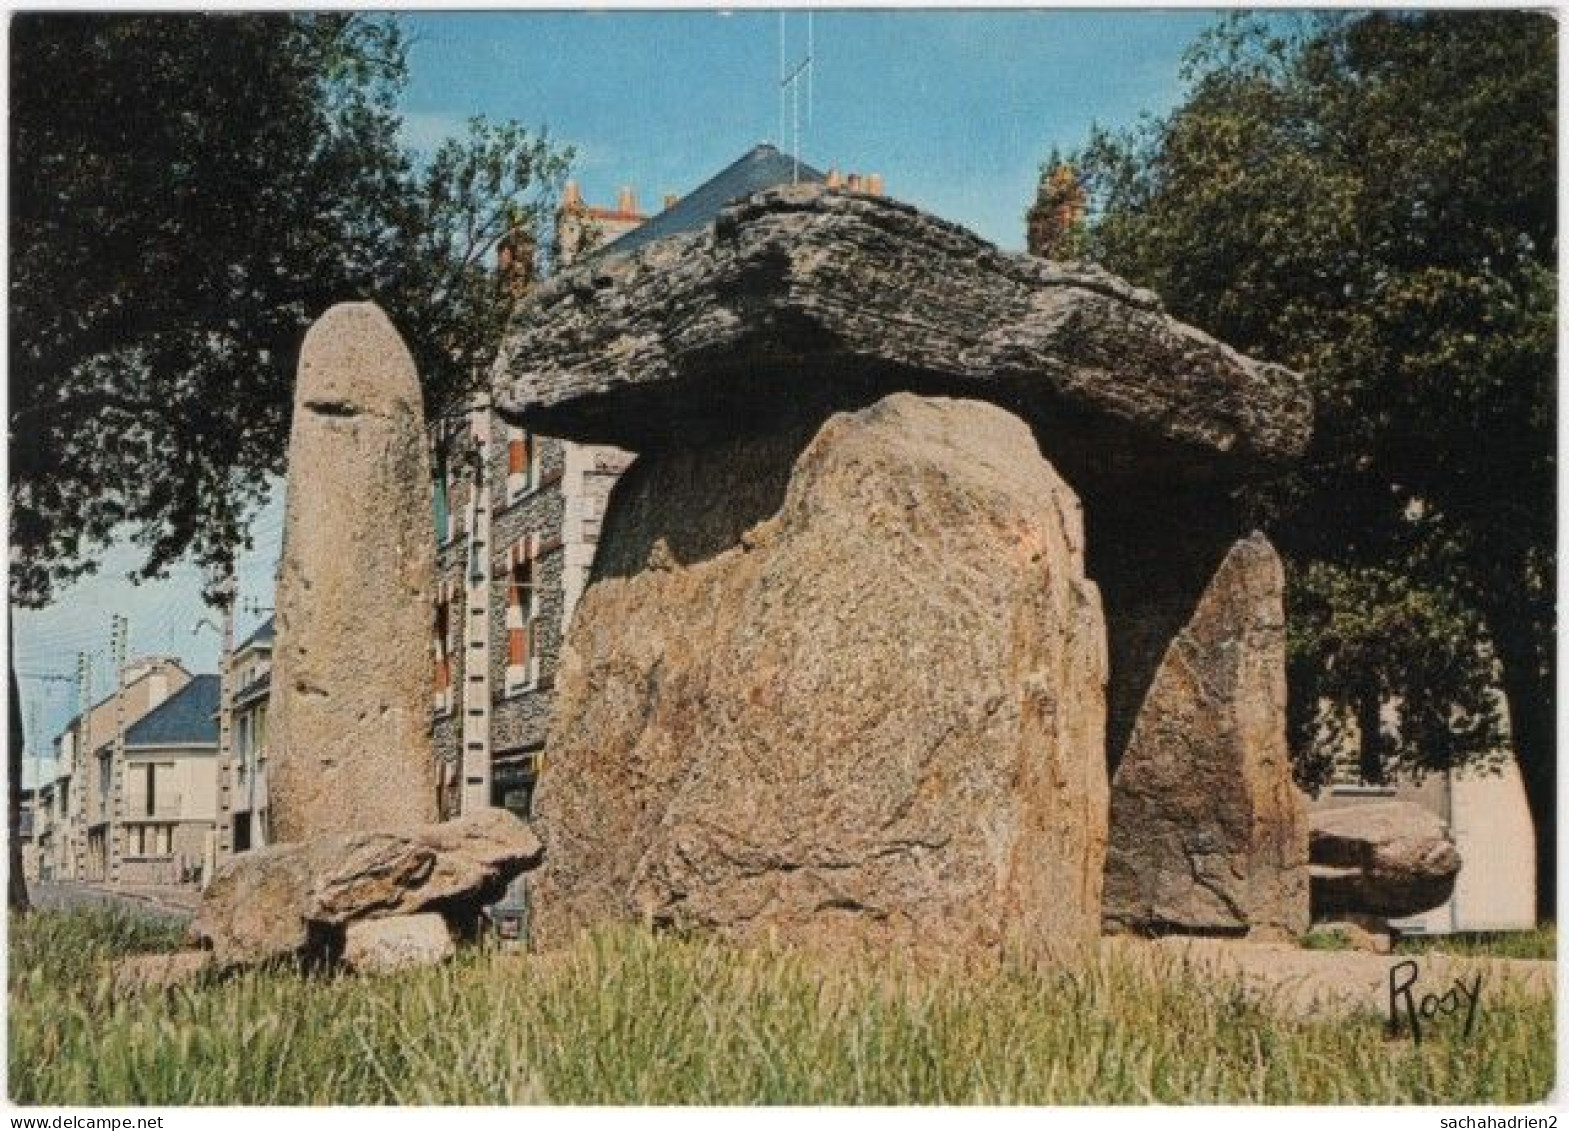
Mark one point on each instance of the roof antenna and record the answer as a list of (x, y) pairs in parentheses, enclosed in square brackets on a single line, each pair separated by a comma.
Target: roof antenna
[(781, 134), (793, 82)]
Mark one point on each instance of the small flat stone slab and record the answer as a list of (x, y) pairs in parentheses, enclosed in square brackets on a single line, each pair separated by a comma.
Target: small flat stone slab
[(801, 300), (293, 899), (403, 942)]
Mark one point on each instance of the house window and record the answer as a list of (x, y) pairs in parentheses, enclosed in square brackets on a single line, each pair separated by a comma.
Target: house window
[(522, 622), (522, 457), (443, 630), (152, 789), (242, 743), (152, 840), (512, 779), (443, 512), (443, 496)]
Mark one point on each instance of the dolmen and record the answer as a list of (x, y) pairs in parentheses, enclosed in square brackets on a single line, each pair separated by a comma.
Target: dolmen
[(926, 613), (375, 900)]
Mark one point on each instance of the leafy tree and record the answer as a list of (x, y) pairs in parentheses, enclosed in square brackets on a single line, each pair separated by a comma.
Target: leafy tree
[(188, 193), (1055, 222), (1372, 200)]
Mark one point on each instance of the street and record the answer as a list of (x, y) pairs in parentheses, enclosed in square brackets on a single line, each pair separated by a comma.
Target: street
[(178, 904)]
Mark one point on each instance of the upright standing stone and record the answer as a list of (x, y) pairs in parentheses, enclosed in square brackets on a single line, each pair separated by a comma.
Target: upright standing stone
[(350, 706), (854, 692), (1209, 835)]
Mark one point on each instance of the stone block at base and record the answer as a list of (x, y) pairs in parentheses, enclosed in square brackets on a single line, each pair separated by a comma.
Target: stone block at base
[(403, 942)]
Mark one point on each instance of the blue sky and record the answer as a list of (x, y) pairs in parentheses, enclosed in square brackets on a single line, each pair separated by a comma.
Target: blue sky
[(956, 109)]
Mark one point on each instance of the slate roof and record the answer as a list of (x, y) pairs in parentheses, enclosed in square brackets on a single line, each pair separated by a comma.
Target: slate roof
[(76, 718), (760, 168), (189, 717), (264, 634)]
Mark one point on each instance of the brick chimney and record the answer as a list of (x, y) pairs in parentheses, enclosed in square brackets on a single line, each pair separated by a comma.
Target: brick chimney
[(670, 200), (835, 179), (874, 183), (627, 201), (571, 196)]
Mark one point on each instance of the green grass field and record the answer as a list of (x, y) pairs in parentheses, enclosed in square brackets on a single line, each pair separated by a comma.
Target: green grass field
[(629, 1018), (1540, 943)]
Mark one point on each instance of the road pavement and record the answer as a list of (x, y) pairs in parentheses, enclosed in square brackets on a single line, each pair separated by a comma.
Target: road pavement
[(178, 904)]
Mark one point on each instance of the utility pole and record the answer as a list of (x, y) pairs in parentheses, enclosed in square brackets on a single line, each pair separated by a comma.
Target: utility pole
[(119, 632), (81, 750), (225, 592), (474, 758)]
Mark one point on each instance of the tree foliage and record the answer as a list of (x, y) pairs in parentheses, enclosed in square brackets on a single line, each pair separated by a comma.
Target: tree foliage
[(1372, 201), (188, 193), (1055, 222)]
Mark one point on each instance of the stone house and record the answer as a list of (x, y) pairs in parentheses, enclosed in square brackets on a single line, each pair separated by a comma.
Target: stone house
[(168, 810)]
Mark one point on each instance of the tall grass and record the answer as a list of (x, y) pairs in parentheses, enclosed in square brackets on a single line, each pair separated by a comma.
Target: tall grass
[(1539, 943), (624, 1017)]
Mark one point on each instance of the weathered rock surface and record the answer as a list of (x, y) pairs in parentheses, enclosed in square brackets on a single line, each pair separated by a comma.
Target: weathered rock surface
[(159, 971), (851, 693), (293, 898), (1208, 831), (350, 708), (805, 300), (799, 302), (403, 942), (1391, 859)]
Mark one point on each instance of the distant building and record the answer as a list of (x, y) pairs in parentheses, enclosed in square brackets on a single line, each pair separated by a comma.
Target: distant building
[(44, 862), (83, 828), (168, 813), (582, 228), (242, 774), (30, 819)]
